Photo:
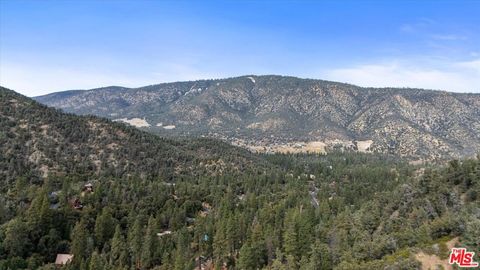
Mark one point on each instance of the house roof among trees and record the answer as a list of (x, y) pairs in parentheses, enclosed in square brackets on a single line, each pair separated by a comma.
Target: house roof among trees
[(63, 259)]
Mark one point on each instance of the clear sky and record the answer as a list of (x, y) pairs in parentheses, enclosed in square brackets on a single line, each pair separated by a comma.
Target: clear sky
[(48, 46)]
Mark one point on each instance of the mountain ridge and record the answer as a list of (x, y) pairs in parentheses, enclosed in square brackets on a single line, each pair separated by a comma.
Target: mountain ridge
[(251, 75), (203, 187), (268, 113)]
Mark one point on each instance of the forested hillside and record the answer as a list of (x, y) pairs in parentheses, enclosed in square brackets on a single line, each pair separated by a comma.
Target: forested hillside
[(167, 204), (36, 141)]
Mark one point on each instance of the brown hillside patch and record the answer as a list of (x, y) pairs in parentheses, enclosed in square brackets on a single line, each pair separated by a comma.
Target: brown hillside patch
[(431, 262)]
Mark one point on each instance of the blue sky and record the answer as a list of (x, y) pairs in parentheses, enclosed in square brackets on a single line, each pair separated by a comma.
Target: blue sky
[(48, 46)]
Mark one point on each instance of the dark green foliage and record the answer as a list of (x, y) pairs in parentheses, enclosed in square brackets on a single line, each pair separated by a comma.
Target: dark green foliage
[(372, 210), (249, 222), (119, 249), (104, 227), (79, 241), (16, 242), (36, 141)]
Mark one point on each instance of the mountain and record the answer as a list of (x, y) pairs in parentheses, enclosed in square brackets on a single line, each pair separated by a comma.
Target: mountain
[(276, 113), (116, 197), (36, 141)]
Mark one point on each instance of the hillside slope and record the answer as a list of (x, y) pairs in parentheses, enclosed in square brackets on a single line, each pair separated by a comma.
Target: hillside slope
[(37, 141), (263, 112), (206, 202)]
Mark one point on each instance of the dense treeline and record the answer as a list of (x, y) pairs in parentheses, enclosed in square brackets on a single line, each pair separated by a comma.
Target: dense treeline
[(168, 204), (371, 213)]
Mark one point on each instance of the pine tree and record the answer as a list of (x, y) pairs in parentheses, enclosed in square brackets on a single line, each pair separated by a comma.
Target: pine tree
[(290, 237), (96, 262), (304, 223), (118, 253), (277, 263), (231, 234), (247, 258), (16, 240), (179, 263), (135, 239), (149, 244), (258, 244), (220, 252), (319, 257), (3, 211), (291, 262), (304, 263), (253, 252), (79, 245), (48, 244), (104, 227), (39, 215), (83, 265)]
